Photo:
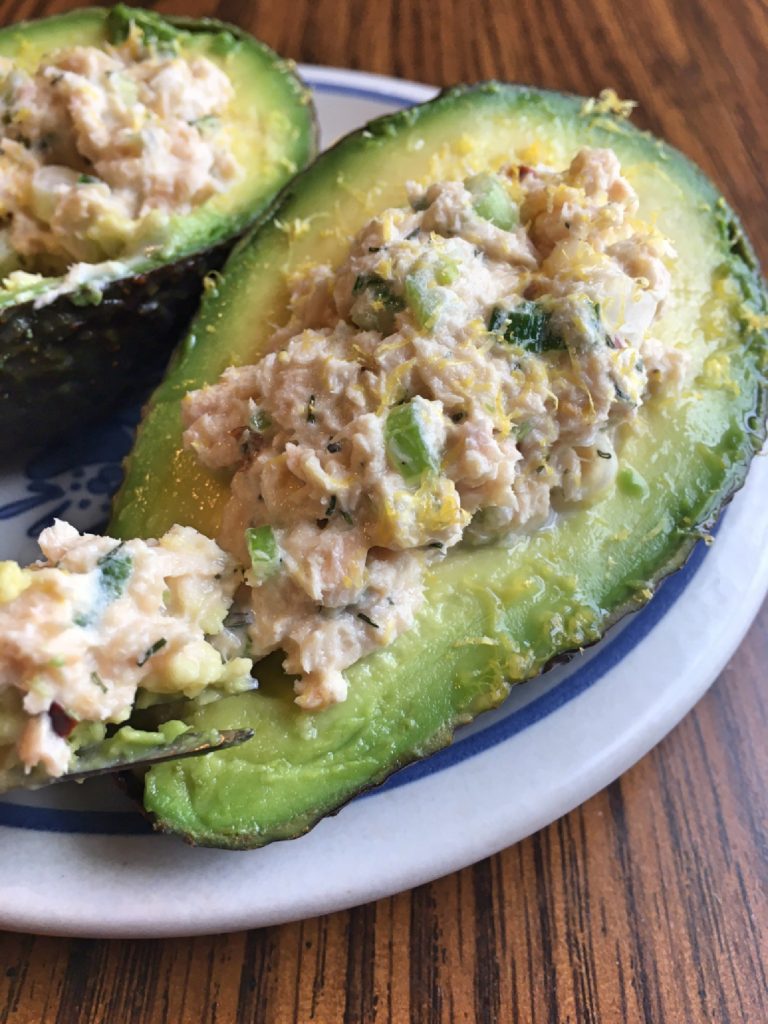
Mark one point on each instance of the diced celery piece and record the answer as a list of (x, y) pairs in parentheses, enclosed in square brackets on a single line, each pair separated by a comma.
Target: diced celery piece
[(492, 202), (423, 298), (262, 550), (446, 271), (408, 450)]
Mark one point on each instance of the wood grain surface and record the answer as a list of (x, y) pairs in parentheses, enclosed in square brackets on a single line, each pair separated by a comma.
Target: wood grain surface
[(648, 903)]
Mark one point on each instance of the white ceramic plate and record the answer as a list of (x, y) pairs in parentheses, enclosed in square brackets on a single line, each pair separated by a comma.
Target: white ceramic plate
[(80, 861)]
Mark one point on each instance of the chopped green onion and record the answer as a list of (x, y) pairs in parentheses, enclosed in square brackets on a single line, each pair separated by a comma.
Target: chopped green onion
[(262, 550), (374, 304), (497, 320), (491, 201), (526, 325), (407, 448), (87, 179)]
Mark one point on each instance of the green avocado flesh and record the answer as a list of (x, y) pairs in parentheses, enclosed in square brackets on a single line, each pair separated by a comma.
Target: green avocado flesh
[(492, 616), (78, 346)]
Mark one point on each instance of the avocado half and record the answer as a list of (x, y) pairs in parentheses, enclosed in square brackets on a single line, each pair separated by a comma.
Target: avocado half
[(67, 355), (494, 616)]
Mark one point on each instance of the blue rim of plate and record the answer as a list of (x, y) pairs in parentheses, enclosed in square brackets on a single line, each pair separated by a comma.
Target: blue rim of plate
[(607, 656)]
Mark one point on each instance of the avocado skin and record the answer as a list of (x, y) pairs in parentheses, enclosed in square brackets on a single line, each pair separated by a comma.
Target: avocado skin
[(67, 363), (64, 365), (483, 627)]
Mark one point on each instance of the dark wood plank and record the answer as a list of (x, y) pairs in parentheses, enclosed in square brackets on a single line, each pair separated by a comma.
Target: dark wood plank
[(647, 904)]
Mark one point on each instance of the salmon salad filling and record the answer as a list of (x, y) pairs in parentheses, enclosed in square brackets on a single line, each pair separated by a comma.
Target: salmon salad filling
[(460, 379), (99, 147), (100, 622)]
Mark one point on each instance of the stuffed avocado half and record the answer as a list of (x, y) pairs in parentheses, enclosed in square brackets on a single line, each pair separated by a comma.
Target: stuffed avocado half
[(380, 248), (135, 149)]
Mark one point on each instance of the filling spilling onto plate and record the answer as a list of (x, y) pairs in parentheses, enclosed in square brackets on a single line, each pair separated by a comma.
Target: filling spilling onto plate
[(99, 620), (100, 147), (460, 379)]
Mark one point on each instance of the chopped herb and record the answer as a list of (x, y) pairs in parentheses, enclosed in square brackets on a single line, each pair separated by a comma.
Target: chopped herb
[(457, 417), (156, 646), (621, 395), (419, 204), (98, 681), (331, 506), (115, 569), (57, 662), (375, 248), (436, 544), (412, 234), (523, 429), (88, 179), (540, 469), (262, 550), (346, 516), (333, 447), (369, 622), (603, 455), (311, 410)]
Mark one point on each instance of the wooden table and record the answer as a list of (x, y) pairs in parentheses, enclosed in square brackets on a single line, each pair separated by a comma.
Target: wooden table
[(647, 903)]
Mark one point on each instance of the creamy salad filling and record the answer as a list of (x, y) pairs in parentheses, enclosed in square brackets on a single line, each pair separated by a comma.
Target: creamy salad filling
[(99, 620), (459, 379), (100, 147)]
